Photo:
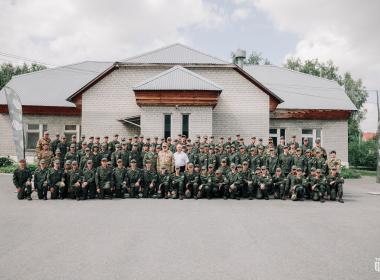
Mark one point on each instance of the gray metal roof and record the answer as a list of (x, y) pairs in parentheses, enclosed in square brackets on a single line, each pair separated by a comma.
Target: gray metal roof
[(175, 54), (177, 78), (51, 87), (300, 90)]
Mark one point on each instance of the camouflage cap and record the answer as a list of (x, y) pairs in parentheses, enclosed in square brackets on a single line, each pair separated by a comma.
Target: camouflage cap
[(218, 171), (308, 151), (57, 161), (298, 149), (74, 162), (42, 161), (104, 159), (72, 146), (239, 166), (278, 169), (148, 161), (117, 146), (294, 167), (58, 151), (95, 146), (133, 161), (84, 143), (318, 140), (119, 160), (89, 161), (299, 169), (67, 162), (313, 169)]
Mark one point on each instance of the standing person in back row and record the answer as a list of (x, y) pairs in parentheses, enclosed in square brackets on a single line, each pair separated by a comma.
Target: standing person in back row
[(180, 158), (165, 158)]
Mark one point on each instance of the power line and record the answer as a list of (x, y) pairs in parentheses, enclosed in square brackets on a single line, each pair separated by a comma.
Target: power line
[(56, 67)]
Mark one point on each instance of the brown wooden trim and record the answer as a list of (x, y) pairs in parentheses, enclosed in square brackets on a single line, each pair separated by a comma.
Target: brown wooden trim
[(172, 98), (259, 85), (45, 110), (92, 82), (310, 114)]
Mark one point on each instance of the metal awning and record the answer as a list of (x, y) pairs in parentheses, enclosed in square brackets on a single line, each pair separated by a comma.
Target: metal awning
[(133, 120)]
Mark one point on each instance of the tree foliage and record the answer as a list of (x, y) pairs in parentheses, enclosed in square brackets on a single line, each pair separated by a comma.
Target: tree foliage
[(8, 70)]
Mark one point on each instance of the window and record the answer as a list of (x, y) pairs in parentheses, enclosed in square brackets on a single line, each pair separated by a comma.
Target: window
[(70, 130), (33, 133), (185, 125), (311, 134), (276, 133), (167, 125)]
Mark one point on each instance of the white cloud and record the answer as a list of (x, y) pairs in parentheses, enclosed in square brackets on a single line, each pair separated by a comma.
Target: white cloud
[(240, 13), (60, 32), (345, 31)]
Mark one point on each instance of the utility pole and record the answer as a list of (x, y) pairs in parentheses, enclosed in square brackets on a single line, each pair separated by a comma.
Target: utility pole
[(378, 138)]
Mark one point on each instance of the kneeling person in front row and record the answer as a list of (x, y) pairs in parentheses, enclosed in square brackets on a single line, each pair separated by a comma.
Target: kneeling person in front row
[(75, 180), (335, 182), (297, 184), (264, 181), (104, 180), (22, 179), (40, 180)]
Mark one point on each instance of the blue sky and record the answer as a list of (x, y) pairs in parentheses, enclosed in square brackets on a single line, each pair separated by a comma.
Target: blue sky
[(62, 32)]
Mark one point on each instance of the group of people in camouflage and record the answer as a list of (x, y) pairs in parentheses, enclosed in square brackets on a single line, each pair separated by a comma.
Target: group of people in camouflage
[(180, 168)]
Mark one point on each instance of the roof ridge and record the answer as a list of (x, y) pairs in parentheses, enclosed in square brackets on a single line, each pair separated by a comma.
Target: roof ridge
[(283, 68), (172, 45)]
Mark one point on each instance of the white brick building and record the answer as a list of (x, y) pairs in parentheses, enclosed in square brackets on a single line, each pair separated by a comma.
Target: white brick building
[(178, 90)]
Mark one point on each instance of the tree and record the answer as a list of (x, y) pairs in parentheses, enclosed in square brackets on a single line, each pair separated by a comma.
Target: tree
[(8, 70)]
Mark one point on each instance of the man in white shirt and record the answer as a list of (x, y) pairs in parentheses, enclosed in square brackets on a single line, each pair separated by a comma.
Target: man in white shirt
[(180, 158)]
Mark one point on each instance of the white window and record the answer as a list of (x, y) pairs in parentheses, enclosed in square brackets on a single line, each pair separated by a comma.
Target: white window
[(33, 133), (276, 133), (311, 134), (72, 129)]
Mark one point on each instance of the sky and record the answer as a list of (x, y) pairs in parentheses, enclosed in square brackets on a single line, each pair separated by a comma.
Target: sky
[(63, 32)]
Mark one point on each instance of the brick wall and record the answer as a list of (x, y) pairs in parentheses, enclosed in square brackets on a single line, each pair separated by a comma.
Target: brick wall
[(56, 124), (334, 133), (242, 107), (152, 120)]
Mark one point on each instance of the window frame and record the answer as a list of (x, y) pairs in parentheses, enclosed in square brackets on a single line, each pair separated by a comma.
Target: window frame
[(280, 131), (67, 132), (170, 126), (313, 135), (40, 130), (188, 124)]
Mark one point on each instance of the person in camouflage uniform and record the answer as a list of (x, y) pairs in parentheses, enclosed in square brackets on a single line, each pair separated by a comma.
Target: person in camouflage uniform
[(22, 179), (333, 161), (278, 182), (120, 178), (96, 156), (63, 146), (191, 182), (134, 154), (235, 181), (45, 154), (177, 184), (44, 140), (151, 155), (297, 184), (203, 181), (149, 180), (246, 179), (134, 179), (75, 180), (86, 156), (88, 178), (264, 181), (299, 161), (40, 180), (272, 162), (116, 154), (56, 180), (113, 143), (318, 186), (335, 183), (218, 184), (71, 155), (163, 188), (285, 161), (54, 143), (104, 180)]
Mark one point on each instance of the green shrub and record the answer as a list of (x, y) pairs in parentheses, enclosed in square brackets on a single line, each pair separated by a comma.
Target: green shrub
[(12, 168), (363, 154), (350, 173), (4, 161)]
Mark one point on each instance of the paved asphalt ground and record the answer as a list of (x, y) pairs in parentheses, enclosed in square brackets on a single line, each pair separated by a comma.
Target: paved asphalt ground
[(217, 239)]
